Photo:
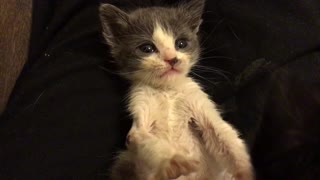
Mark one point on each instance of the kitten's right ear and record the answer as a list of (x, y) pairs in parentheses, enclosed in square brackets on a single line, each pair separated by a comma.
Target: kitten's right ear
[(114, 22)]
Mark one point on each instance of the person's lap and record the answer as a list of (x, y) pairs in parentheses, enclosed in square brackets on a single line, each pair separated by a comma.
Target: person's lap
[(71, 126), (63, 119)]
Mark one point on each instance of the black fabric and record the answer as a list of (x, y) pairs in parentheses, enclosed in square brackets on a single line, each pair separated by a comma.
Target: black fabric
[(66, 118)]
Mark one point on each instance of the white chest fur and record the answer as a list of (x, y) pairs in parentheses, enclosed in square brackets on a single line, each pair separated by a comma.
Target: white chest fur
[(165, 111), (182, 121)]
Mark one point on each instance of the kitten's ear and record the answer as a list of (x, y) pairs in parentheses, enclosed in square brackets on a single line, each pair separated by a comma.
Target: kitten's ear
[(195, 9), (114, 22)]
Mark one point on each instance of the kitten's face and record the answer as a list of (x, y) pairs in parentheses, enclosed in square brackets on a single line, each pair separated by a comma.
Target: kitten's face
[(154, 45)]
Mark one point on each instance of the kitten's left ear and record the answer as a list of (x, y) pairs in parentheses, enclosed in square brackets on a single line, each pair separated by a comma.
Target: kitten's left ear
[(195, 9)]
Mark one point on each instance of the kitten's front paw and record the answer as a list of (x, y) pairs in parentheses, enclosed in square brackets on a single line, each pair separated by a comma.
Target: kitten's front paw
[(134, 139), (244, 175), (177, 166), (239, 175), (225, 175)]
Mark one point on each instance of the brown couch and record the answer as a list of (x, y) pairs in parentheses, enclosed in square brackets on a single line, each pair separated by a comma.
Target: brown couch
[(15, 24)]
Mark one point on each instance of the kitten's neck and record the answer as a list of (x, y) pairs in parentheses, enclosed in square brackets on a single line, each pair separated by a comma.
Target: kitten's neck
[(174, 84)]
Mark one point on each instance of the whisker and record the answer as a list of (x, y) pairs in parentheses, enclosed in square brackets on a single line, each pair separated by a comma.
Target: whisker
[(120, 73), (212, 31), (203, 78), (220, 72), (210, 70), (204, 51), (216, 57), (234, 33), (106, 70), (130, 72)]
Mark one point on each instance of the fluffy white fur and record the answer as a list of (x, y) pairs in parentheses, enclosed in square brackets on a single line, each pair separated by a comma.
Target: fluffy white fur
[(177, 132)]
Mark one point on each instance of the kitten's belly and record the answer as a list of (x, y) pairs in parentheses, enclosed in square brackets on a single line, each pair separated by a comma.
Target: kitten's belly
[(172, 106), (185, 140)]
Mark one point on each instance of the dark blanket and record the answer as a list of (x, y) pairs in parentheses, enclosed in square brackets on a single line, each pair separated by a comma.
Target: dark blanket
[(66, 118)]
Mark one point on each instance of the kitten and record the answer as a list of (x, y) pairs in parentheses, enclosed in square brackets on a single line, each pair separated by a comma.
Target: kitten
[(177, 132)]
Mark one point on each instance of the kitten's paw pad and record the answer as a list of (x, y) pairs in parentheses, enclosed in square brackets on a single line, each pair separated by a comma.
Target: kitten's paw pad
[(179, 165)]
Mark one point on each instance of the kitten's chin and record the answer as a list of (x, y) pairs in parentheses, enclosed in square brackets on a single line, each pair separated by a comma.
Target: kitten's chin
[(169, 73), (171, 78)]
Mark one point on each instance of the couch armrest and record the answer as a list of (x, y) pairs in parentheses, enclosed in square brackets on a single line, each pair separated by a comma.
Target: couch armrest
[(15, 28)]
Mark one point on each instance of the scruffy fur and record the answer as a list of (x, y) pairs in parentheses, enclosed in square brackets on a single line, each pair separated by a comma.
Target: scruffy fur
[(177, 132)]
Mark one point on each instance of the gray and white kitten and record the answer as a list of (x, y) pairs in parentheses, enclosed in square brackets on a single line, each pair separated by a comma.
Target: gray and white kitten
[(177, 132)]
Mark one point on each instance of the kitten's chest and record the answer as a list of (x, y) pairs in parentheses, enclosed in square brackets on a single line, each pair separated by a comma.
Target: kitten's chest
[(167, 101), (165, 111), (173, 107)]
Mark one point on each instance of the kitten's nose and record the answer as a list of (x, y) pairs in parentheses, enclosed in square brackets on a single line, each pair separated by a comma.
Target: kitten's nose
[(172, 62)]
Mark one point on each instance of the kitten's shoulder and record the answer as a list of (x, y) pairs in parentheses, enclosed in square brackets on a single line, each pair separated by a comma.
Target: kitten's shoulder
[(190, 84)]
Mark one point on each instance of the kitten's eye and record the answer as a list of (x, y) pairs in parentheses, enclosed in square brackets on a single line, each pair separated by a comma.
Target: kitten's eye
[(147, 48), (181, 43)]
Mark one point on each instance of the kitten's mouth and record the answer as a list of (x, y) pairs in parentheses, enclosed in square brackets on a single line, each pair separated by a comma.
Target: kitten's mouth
[(170, 72)]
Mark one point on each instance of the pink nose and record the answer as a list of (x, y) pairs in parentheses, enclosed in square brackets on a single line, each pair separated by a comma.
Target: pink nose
[(172, 62)]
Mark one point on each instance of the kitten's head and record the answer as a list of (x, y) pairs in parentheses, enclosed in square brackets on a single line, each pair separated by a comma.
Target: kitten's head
[(156, 45)]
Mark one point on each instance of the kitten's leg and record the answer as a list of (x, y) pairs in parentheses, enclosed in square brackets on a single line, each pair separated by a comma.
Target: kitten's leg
[(162, 157), (221, 140), (124, 167), (178, 165)]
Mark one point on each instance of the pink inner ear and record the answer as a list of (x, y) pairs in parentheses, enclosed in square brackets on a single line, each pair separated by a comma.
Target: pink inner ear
[(169, 54)]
